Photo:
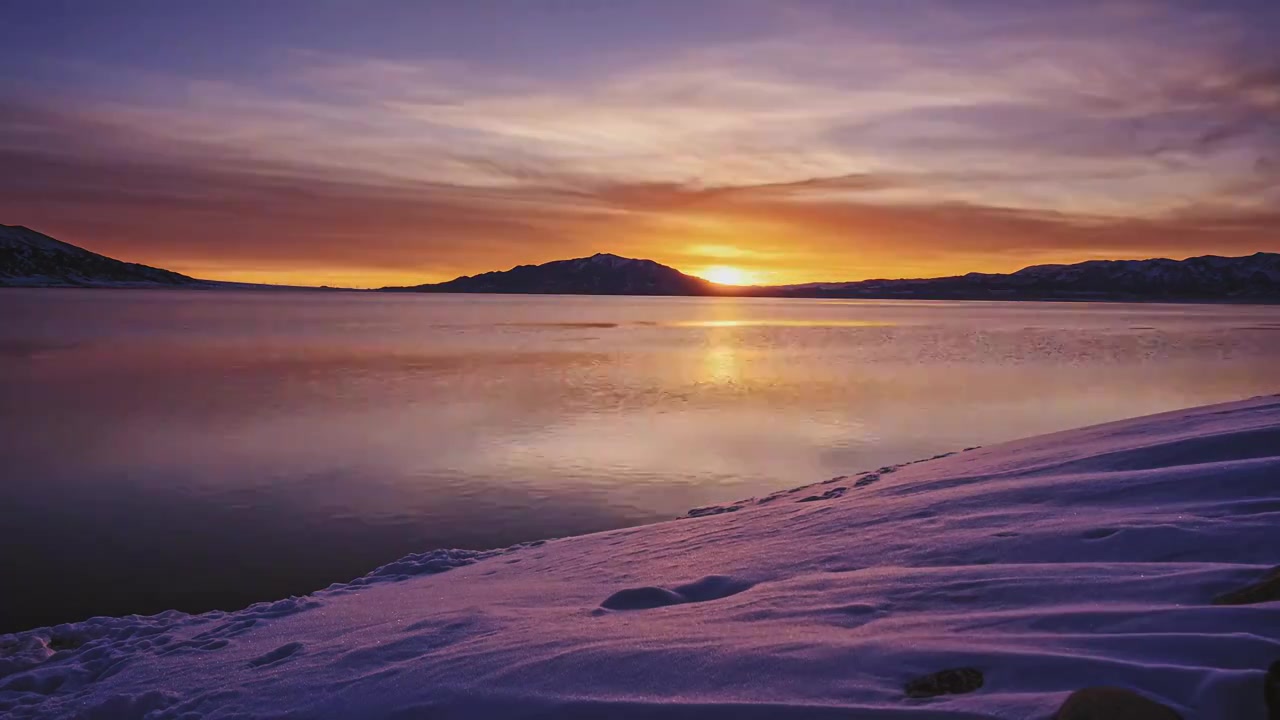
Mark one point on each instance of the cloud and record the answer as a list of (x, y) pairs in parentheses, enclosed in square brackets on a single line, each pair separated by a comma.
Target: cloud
[(851, 142)]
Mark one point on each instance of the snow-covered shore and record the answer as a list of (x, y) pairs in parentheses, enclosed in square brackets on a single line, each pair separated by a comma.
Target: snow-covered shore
[(1039, 567)]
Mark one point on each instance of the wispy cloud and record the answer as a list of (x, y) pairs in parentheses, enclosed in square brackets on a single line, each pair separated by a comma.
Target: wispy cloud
[(913, 140)]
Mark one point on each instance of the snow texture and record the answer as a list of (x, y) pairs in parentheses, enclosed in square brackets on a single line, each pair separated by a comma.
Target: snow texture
[(991, 583)]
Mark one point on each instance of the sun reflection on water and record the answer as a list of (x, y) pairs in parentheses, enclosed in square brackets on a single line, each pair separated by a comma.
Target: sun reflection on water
[(764, 322), (720, 364)]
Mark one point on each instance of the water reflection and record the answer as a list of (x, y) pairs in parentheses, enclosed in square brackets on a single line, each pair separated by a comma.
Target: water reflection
[(720, 361), (780, 323), (210, 449)]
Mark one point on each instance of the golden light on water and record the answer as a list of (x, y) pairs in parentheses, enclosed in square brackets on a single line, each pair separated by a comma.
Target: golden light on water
[(720, 364), (777, 322)]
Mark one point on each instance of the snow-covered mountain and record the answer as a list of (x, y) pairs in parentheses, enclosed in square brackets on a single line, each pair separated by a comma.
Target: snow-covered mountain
[(32, 259), (600, 274)]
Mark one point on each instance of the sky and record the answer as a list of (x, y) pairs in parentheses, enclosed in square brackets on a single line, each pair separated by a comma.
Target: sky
[(388, 142)]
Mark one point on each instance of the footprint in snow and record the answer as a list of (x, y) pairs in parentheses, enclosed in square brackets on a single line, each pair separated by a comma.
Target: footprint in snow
[(196, 644), (279, 655), (712, 587)]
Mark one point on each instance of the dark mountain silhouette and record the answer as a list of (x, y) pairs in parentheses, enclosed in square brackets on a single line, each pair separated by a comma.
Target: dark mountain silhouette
[(600, 274), (1253, 278), (32, 259)]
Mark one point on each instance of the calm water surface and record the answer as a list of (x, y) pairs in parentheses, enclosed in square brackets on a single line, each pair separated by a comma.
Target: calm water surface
[(211, 449)]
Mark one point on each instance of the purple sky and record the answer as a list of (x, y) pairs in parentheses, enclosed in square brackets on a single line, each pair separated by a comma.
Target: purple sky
[(368, 143)]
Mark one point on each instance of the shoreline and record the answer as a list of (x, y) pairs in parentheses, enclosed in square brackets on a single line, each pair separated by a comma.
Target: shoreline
[(1084, 557), (219, 286)]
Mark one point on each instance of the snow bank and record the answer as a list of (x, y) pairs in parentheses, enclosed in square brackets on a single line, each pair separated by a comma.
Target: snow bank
[(1026, 570)]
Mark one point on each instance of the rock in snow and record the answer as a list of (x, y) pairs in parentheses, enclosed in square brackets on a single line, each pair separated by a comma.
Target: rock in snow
[(1272, 691), (953, 681), (1029, 571), (1108, 703), (1265, 590)]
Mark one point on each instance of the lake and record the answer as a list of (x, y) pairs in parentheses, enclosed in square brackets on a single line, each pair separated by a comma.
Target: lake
[(204, 450)]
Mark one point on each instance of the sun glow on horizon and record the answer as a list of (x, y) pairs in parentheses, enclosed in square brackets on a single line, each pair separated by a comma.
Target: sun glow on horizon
[(728, 275)]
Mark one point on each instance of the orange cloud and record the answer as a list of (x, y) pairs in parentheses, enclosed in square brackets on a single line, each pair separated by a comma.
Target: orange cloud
[(826, 152)]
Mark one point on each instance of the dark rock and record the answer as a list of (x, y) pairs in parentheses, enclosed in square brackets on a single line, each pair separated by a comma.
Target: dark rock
[(866, 480), (1265, 590), (952, 681), (64, 642), (712, 510), (1112, 703), (831, 494), (1271, 691)]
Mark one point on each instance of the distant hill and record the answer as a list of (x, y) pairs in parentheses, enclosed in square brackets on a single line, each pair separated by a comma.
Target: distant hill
[(32, 259), (600, 274), (1254, 278)]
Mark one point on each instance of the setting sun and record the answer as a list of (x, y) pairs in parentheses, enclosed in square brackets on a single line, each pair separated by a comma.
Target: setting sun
[(726, 275), (503, 289)]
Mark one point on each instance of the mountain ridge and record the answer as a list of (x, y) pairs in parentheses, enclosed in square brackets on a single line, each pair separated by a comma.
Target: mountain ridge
[(1250, 278), (29, 258), (598, 274), (1253, 277)]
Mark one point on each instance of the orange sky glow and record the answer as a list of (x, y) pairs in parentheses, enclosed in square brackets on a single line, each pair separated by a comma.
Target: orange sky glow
[(755, 142)]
